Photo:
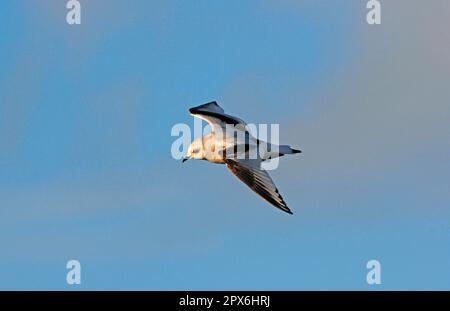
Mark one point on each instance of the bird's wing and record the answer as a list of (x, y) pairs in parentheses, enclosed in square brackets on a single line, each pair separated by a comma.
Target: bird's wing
[(249, 172), (216, 116)]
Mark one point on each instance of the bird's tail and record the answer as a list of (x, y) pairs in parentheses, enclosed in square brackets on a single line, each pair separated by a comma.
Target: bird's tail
[(285, 149)]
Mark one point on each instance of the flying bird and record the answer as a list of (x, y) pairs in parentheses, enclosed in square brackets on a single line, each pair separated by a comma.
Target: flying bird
[(240, 151)]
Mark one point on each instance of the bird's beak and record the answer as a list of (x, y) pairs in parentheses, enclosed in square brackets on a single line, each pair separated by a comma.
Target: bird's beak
[(185, 159)]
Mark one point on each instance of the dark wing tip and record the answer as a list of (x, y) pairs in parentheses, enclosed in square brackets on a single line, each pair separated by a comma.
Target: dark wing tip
[(289, 211), (280, 205), (199, 108), (283, 206), (296, 151)]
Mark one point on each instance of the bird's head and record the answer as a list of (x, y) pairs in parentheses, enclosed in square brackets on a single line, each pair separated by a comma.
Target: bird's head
[(195, 151)]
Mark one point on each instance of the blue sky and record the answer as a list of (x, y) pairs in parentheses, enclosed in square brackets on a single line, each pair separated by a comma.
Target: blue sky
[(86, 172)]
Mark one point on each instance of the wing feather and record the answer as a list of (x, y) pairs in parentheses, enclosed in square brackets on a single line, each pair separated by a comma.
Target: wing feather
[(259, 181), (216, 116)]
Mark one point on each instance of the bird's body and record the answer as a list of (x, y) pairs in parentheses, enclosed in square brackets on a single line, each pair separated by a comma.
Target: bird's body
[(231, 143)]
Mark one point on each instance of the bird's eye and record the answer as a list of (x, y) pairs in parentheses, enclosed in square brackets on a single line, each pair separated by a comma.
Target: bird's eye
[(195, 151)]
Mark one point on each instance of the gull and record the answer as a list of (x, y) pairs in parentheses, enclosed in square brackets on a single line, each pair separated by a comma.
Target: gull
[(237, 151)]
